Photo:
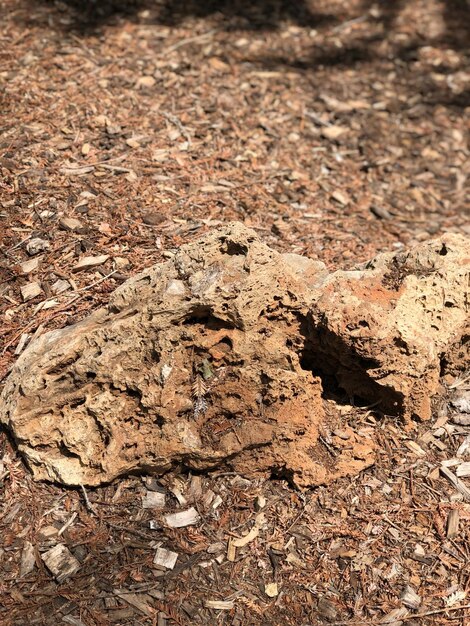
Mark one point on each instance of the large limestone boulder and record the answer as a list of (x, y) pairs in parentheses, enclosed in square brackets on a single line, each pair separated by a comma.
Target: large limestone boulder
[(230, 354)]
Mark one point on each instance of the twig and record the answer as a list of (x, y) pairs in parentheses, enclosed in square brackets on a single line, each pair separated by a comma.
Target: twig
[(88, 504), (67, 524), (188, 40), (97, 282)]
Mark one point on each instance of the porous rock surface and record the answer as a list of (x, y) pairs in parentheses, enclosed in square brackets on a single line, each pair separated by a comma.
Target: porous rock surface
[(232, 355)]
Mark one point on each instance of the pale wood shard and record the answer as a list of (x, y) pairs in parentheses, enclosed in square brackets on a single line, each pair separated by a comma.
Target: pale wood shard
[(87, 262), (219, 605), (182, 518), (137, 601), (271, 590), (453, 520), (28, 559), (61, 562), (456, 482), (231, 551), (410, 598), (165, 558), (59, 286), (27, 267), (463, 469), (153, 500), (30, 291), (250, 536)]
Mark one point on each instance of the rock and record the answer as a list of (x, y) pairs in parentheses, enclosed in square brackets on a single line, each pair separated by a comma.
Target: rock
[(386, 329), (37, 245), (226, 355)]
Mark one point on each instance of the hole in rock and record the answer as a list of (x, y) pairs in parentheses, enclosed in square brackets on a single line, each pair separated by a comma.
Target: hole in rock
[(205, 317), (77, 403), (343, 372), (234, 248)]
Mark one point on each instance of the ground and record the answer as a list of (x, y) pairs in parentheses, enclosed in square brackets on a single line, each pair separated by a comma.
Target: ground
[(335, 129)]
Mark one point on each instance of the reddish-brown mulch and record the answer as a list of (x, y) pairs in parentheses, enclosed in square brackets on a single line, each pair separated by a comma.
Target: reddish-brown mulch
[(335, 129)]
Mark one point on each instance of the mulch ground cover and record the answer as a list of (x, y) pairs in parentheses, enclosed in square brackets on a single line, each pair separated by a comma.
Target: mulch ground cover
[(336, 130)]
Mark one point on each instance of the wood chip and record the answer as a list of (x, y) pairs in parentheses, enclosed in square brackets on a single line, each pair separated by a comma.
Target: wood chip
[(136, 601), (341, 197), (30, 291), (410, 598), (28, 560), (393, 618), (153, 500), (453, 519), (231, 551), (70, 223), (22, 343), (251, 536), (380, 211), (219, 605), (90, 261), (76, 171), (463, 469), (60, 286), (413, 446), (29, 266), (458, 484), (60, 562), (183, 518), (165, 558)]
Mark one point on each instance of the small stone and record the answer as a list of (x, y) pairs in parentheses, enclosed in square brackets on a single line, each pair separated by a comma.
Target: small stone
[(271, 590), (37, 245), (145, 81), (333, 132), (30, 291), (152, 218)]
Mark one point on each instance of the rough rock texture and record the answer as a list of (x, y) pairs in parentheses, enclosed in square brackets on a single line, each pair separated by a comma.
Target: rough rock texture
[(388, 330), (230, 354)]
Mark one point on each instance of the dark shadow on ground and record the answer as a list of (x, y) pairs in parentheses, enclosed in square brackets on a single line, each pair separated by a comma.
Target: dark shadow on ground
[(87, 16)]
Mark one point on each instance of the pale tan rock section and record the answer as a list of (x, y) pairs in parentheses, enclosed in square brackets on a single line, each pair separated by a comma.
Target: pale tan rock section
[(113, 394)]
